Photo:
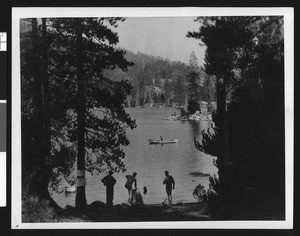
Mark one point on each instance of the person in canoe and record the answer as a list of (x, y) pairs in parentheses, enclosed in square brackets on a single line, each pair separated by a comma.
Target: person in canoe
[(170, 184), (109, 182), (128, 185)]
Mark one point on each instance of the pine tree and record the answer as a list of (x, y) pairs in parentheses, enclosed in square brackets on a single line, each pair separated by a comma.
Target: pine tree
[(86, 108), (179, 91), (246, 55), (194, 85), (101, 118), (193, 63), (36, 118)]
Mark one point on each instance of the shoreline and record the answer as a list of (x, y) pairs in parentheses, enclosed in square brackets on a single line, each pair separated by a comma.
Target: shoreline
[(100, 212)]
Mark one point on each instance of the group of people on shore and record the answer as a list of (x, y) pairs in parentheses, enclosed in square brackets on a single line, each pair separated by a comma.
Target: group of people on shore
[(133, 194)]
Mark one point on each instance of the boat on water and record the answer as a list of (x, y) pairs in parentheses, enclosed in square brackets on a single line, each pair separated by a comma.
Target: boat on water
[(70, 189), (151, 141), (172, 117)]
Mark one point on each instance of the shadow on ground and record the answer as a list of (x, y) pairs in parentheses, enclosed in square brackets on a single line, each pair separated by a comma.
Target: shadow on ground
[(99, 212)]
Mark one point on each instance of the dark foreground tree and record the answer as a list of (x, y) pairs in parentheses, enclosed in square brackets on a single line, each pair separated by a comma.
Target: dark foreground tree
[(100, 122), (249, 136), (85, 109), (40, 164), (223, 36)]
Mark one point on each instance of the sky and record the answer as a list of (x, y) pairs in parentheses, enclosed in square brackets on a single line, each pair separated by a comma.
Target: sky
[(161, 36)]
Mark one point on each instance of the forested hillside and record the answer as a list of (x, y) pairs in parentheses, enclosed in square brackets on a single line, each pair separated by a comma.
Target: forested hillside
[(160, 82)]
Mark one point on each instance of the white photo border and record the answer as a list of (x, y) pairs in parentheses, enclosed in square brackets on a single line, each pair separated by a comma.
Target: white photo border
[(287, 12)]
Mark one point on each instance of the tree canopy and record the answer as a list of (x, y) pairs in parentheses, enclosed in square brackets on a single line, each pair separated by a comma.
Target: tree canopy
[(246, 55), (66, 94), (162, 80)]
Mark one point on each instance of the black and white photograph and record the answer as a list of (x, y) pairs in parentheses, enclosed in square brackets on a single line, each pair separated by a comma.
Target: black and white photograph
[(152, 118)]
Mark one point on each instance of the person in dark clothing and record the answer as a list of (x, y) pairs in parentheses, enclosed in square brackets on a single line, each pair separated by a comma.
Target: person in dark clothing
[(109, 182), (170, 184), (145, 190)]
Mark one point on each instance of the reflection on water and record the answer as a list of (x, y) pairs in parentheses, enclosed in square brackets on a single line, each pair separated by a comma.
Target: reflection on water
[(196, 127), (150, 161)]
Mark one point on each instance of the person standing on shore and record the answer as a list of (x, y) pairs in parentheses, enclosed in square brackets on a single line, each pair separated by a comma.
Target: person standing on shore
[(170, 184), (128, 185), (109, 182)]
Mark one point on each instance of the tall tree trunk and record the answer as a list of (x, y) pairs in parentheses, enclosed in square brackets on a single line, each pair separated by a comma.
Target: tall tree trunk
[(46, 107), (221, 111), (41, 186), (80, 200), (137, 98), (151, 97), (46, 116), (186, 101), (38, 100), (129, 98), (145, 95), (40, 182)]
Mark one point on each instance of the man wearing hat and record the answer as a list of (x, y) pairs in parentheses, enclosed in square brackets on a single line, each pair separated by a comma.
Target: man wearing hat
[(109, 182)]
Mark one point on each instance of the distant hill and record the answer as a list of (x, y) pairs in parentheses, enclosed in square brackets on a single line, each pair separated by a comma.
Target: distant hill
[(155, 80), (143, 58)]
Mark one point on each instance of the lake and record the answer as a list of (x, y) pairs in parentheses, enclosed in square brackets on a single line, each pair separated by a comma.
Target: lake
[(151, 161)]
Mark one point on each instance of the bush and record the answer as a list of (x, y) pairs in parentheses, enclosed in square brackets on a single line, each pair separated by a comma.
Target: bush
[(34, 211), (210, 198), (200, 193)]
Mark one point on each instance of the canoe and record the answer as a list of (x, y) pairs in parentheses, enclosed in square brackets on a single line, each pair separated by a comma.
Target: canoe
[(151, 141), (70, 189)]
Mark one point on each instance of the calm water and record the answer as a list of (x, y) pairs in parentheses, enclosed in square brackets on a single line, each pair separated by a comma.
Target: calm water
[(150, 161)]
